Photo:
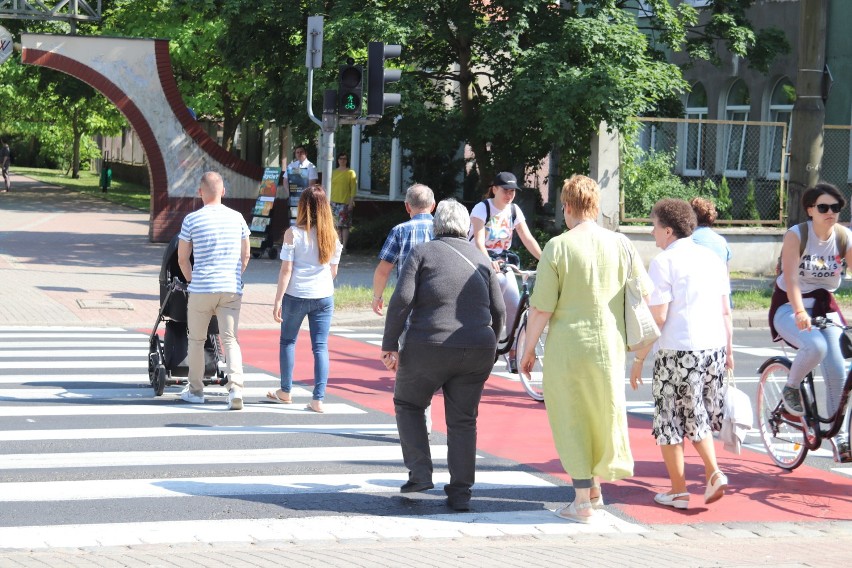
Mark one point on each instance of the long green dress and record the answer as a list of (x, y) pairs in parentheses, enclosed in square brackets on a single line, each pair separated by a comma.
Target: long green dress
[(581, 278)]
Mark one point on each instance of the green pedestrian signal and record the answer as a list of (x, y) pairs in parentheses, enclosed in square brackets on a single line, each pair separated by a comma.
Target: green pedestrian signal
[(350, 89)]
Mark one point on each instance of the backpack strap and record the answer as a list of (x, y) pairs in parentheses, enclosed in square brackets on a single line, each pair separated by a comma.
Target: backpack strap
[(842, 242), (803, 237)]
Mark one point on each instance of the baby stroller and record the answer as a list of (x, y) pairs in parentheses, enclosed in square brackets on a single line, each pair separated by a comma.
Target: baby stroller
[(167, 364)]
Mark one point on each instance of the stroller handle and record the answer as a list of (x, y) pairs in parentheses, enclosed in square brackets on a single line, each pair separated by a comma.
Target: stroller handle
[(178, 285)]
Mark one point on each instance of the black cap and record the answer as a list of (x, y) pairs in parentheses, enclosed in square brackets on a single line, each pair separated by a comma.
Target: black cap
[(506, 179)]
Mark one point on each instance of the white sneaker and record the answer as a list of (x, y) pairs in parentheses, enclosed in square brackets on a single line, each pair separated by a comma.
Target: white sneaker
[(187, 396), (235, 399)]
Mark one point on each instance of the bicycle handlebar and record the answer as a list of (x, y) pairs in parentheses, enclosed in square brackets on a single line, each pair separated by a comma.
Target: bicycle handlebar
[(823, 322), (506, 267)]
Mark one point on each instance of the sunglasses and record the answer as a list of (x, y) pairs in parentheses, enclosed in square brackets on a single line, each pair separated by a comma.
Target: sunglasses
[(824, 207)]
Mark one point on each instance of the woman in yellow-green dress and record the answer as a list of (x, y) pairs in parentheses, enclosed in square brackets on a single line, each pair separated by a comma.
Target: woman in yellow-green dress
[(579, 293)]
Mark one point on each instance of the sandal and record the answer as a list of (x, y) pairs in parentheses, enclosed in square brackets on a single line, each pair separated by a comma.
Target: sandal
[(597, 502), (570, 512), (715, 489), (275, 397), (316, 406)]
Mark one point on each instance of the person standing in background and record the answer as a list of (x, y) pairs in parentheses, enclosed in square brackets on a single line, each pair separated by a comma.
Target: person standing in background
[(5, 162), (344, 186), (303, 166), (217, 238)]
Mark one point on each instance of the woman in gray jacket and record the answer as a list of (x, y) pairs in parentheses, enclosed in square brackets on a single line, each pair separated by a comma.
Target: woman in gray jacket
[(449, 298)]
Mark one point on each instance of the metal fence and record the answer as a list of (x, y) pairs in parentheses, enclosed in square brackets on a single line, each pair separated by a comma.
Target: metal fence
[(751, 156)]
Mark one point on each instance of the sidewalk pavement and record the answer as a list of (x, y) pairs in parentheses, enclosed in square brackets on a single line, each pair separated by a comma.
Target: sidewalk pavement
[(70, 259)]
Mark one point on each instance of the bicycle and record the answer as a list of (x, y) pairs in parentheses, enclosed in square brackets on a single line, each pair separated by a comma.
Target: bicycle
[(788, 438), (516, 336)]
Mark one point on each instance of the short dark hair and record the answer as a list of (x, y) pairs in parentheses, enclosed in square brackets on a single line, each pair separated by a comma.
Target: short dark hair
[(677, 215), (809, 198)]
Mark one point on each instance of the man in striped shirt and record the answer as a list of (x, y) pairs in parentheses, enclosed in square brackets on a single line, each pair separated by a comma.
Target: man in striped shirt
[(218, 239)]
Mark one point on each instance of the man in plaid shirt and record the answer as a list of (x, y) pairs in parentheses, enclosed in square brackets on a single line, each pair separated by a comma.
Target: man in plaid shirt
[(419, 202)]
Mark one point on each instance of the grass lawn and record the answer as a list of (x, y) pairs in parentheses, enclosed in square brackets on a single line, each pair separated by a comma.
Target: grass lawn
[(758, 299), (121, 192)]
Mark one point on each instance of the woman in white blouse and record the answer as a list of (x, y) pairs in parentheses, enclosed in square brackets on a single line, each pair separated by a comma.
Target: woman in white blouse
[(309, 258), (690, 304)]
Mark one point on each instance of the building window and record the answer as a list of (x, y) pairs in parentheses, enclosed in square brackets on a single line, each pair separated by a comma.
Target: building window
[(696, 109), (737, 107), (780, 110)]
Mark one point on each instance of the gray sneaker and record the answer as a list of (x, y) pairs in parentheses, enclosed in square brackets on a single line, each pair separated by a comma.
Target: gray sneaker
[(186, 395), (841, 449), (792, 399)]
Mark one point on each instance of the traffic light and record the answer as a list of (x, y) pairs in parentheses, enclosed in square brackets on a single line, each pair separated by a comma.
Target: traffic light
[(350, 89), (378, 76)]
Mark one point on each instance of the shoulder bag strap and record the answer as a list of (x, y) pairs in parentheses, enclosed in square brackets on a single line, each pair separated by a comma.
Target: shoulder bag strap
[(467, 260)]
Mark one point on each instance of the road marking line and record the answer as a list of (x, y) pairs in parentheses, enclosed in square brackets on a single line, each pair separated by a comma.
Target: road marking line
[(193, 430), (130, 392), (90, 460), (113, 378), (378, 482), (57, 355), (140, 363), (96, 347)]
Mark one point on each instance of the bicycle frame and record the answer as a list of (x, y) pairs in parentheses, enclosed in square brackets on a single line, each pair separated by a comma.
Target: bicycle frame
[(523, 305), (814, 434)]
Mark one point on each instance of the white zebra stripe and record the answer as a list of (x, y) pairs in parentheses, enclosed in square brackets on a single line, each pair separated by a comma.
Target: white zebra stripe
[(140, 363), (54, 357), (127, 393), (95, 347), (77, 335), (377, 482), (192, 431), (91, 460), (131, 379)]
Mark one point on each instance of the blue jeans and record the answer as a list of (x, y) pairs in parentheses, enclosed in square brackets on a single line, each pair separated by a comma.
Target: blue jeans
[(815, 347), (293, 312)]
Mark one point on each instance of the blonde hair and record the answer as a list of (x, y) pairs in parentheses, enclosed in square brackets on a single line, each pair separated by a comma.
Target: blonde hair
[(582, 194), (315, 211)]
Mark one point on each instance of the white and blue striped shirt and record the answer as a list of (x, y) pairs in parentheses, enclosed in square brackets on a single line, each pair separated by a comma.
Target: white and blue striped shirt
[(216, 233)]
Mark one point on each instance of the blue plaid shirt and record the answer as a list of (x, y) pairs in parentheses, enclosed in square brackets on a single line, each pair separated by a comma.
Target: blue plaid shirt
[(404, 237)]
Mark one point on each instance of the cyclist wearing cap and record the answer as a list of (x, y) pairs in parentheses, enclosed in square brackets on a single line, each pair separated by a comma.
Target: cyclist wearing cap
[(493, 222)]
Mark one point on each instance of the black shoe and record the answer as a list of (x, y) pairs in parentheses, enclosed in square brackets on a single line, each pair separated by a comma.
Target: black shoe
[(460, 505), (416, 486), (792, 399)]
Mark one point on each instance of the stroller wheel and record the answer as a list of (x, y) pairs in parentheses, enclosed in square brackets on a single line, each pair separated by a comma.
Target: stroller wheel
[(159, 383)]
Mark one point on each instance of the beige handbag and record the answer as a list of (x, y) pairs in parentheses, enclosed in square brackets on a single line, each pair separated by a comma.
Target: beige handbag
[(639, 324)]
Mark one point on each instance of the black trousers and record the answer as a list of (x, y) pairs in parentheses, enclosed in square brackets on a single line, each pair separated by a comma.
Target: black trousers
[(460, 374)]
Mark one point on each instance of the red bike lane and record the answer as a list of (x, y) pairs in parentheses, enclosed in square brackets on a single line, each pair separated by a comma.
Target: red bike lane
[(514, 427)]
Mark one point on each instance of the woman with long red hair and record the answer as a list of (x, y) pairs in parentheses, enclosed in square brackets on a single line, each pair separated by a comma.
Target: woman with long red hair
[(309, 258)]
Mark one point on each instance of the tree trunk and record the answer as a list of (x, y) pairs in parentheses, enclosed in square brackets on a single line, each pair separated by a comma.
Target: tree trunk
[(469, 111), (75, 147)]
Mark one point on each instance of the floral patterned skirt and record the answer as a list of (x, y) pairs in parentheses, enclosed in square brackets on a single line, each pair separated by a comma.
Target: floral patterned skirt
[(688, 394), (342, 216)]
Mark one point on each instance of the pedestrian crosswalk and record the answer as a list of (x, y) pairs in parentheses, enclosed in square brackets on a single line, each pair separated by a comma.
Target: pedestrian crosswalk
[(90, 457)]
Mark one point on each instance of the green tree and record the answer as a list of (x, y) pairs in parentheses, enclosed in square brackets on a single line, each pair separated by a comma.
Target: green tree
[(750, 210), (724, 204)]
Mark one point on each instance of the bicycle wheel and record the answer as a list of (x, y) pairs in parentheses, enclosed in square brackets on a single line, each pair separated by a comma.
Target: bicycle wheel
[(782, 434), (534, 382)]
